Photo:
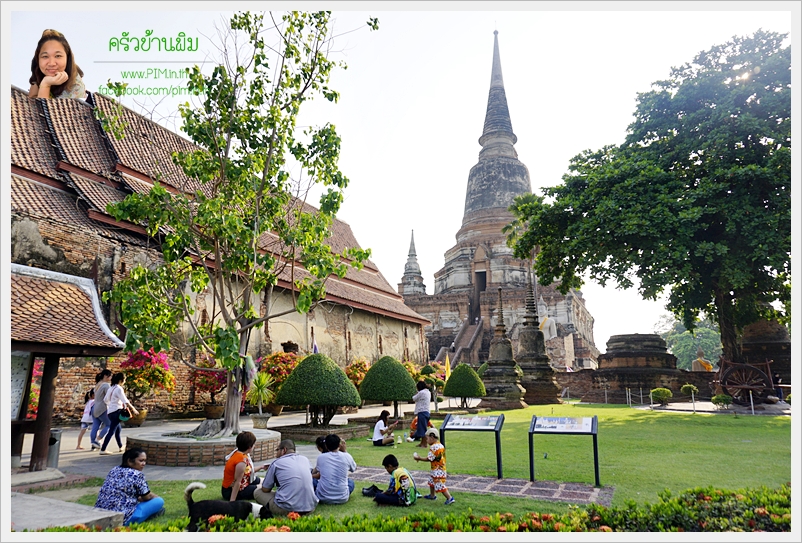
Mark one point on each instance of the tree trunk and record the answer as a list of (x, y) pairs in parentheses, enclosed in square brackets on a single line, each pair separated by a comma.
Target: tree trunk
[(395, 407), (726, 325), (231, 418)]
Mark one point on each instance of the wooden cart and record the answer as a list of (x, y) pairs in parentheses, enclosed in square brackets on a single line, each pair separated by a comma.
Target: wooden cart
[(737, 380)]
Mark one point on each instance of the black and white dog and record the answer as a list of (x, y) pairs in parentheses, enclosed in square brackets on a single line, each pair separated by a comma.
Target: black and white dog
[(204, 509)]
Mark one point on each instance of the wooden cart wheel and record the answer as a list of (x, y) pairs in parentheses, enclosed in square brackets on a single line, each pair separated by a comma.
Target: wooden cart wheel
[(738, 380)]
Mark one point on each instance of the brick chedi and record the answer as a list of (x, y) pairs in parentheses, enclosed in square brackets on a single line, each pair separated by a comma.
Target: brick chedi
[(504, 390), (538, 380), (463, 309)]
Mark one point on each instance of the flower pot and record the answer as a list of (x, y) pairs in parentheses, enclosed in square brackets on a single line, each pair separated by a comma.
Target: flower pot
[(274, 409), (138, 419), (260, 421), (214, 411)]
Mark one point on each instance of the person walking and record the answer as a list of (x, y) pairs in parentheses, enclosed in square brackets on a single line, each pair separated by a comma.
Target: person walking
[(116, 404), (86, 418), (437, 459), (100, 417)]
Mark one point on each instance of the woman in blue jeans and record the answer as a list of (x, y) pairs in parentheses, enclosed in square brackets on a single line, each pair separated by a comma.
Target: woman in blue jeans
[(125, 490), (116, 402), (422, 401), (99, 414)]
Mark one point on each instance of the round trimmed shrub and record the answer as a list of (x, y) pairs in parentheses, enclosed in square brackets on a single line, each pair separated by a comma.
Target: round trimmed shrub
[(464, 383), (689, 390), (661, 395), (387, 381), (722, 401), (317, 381)]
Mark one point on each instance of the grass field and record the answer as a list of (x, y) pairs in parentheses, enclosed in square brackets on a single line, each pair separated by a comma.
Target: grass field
[(641, 453)]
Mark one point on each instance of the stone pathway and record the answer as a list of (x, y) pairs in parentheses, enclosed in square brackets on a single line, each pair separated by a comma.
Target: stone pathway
[(575, 493)]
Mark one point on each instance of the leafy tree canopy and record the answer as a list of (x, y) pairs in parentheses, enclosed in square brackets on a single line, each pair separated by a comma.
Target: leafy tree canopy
[(684, 343), (246, 226), (697, 198)]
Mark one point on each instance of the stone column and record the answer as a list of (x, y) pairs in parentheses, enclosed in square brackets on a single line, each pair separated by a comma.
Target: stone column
[(504, 390)]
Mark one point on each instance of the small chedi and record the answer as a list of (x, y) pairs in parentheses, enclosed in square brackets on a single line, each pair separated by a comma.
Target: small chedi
[(539, 379), (504, 390)]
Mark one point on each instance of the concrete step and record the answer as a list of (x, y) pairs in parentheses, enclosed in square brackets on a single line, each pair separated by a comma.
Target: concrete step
[(32, 512)]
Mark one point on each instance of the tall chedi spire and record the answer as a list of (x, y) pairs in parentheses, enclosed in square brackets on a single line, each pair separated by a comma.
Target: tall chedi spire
[(412, 281), (499, 176)]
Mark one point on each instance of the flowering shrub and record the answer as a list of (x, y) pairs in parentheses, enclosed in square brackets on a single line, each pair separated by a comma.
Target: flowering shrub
[(356, 370), (212, 382), (145, 371), (278, 366), (36, 387), (695, 510), (412, 369)]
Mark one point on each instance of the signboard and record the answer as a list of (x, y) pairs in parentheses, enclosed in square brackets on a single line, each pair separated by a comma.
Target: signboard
[(478, 423), (562, 425), (565, 426), (21, 362), (457, 422)]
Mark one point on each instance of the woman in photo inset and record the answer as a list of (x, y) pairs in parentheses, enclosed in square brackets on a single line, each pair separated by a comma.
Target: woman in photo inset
[(54, 73)]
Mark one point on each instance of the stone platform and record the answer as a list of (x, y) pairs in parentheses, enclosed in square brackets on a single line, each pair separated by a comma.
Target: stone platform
[(180, 449)]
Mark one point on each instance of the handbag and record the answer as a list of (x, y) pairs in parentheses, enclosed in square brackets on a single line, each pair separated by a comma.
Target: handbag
[(126, 415)]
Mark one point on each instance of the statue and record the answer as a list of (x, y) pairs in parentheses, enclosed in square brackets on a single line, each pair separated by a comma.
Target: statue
[(701, 364), (547, 324)]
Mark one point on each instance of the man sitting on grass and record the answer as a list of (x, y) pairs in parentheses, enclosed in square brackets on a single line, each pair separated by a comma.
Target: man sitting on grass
[(402, 490)]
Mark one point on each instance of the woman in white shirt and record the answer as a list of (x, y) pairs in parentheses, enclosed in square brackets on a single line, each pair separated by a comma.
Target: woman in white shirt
[(116, 402), (382, 432)]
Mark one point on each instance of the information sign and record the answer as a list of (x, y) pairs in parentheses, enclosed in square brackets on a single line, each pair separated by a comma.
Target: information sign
[(478, 423), (565, 426)]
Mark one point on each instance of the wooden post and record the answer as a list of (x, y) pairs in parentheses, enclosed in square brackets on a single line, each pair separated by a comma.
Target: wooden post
[(44, 416)]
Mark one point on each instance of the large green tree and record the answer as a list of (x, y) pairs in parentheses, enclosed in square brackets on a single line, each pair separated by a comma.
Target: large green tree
[(684, 343), (696, 199), (246, 227)]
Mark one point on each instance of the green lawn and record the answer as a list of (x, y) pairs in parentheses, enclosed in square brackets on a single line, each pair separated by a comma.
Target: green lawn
[(640, 454)]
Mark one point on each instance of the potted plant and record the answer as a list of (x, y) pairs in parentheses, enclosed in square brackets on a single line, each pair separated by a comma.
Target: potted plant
[(145, 373), (211, 381), (278, 366), (260, 393)]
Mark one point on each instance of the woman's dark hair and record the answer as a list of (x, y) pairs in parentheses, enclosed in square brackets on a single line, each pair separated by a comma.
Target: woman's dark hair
[(390, 460), (71, 68), (320, 442), (117, 378), (332, 442), (130, 455), (245, 441), (89, 394), (421, 385), (384, 416), (99, 377)]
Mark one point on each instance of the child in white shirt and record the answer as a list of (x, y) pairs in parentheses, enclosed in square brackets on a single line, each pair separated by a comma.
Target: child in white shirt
[(86, 419)]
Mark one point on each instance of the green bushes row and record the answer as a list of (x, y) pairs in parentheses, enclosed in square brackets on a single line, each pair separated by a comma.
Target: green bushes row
[(696, 510)]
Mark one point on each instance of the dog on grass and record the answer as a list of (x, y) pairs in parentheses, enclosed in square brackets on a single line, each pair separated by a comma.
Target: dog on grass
[(204, 509)]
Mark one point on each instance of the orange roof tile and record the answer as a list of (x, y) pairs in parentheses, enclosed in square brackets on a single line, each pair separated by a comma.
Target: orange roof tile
[(31, 146)]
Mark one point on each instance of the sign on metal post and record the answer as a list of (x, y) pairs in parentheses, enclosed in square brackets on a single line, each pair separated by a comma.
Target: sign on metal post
[(566, 426), (479, 423)]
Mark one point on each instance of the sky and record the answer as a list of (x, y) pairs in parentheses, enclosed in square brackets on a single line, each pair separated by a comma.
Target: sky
[(414, 96)]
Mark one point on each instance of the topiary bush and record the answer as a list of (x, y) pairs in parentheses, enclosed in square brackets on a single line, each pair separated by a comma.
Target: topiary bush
[(689, 390), (722, 401), (387, 381), (464, 383), (317, 381), (661, 395)]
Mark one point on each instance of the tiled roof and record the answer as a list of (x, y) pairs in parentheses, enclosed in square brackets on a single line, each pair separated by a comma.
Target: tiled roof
[(97, 194), (57, 309), (80, 136), (38, 200), (31, 146), (148, 147)]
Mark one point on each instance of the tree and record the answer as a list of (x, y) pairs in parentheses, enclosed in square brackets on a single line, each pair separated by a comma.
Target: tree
[(684, 343), (697, 198), (317, 381), (387, 381), (464, 383), (245, 226)]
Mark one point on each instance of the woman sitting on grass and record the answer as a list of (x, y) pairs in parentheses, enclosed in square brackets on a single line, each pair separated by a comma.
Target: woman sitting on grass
[(125, 490), (383, 432)]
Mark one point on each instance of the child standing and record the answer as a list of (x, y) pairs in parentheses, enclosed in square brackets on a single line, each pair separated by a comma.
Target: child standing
[(86, 419), (437, 458)]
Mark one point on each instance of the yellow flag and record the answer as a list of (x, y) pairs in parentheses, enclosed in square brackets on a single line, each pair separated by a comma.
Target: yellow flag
[(448, 368)]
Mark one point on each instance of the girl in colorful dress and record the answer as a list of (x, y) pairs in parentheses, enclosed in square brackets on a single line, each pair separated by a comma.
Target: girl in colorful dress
[(437, 458), (54, 73)]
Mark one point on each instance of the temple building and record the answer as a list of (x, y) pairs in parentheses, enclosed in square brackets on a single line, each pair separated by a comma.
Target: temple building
[(463, 309)]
